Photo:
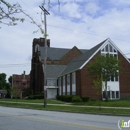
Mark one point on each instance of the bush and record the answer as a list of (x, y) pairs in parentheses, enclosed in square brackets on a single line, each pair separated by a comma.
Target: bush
[(16, 97), (58, 97), (68, 98), (29, 97), (76, 99), (71, 98), (85, 98), (40, 96), (65, 98)]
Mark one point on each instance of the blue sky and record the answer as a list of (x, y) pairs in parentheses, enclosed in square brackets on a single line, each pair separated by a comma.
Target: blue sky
[(81, 23)]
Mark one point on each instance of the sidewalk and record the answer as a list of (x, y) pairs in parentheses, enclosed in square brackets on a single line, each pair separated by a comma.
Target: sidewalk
[(70, 105)]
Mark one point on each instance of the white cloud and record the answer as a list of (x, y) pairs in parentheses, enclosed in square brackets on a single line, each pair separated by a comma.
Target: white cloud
[(92, 8), (16, 42), (120, 2)]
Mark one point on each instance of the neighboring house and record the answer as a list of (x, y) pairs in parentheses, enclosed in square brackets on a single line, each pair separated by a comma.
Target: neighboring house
[(3, 93), (67, 72), (19, 84)]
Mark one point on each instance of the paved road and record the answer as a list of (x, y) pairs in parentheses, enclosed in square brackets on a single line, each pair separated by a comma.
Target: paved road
[(27, 119)]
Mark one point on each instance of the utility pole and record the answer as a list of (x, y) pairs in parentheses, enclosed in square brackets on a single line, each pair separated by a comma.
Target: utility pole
[(45, 53)]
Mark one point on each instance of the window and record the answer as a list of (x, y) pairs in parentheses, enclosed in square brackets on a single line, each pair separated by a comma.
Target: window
[(113, 94), (73, 84), (116, 78), (73, 78), (112, 78), (59, 82), (111, 49), (64, 81), (73, 93), (104, 94), (117, 94), (107, 50), (68, 79), (115, 55), (63, 85)]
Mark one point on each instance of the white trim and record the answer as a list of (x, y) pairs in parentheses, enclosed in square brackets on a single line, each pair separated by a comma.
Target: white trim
[(101, 47), (113, 44)]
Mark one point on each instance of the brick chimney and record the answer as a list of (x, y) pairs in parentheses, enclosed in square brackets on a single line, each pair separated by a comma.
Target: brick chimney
[(41, 42), (23, 74)]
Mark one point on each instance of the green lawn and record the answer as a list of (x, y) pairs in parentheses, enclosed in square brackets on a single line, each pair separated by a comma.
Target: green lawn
[(111, 103), (68, 109), (33, 101), (118, 103)]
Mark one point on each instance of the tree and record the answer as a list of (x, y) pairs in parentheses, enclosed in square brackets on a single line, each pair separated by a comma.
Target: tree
[(10, 80), (8, 13), (8, 90), (2, 80), (102, 69)]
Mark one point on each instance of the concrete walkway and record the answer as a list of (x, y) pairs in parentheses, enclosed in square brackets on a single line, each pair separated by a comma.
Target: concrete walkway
[(70, 105)]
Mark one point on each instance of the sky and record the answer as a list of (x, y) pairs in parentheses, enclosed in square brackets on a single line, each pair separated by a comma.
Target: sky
[(81, 23)]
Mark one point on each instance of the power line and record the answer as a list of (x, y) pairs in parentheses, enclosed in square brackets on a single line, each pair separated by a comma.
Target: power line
[(76, 31), (14, 65), (30, 7)]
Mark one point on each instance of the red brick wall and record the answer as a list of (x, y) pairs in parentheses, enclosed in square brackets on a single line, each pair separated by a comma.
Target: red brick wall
[(124, 78), (74, 52), (84, 84)]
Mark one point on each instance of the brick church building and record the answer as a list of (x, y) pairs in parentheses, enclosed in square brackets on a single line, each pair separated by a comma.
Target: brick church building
[(67, 71)]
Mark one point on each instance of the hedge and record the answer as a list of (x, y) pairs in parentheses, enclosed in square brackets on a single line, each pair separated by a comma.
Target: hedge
[(72, 98), (40, 96), (85, 98)]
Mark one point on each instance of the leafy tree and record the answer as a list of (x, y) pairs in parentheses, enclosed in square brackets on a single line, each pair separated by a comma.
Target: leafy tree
[(102, 69), (10, 80), (2, 80), (8, 89), (8, 13)]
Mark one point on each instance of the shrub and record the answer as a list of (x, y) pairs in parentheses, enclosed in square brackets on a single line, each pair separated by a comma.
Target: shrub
[(65, 98), (40, 96), (85, 98), (57, 97), (30, 97), (68, 98), (16, 97), (76, 99)]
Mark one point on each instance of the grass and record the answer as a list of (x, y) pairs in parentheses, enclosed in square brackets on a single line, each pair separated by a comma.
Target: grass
[(119, 103), (111, 103), (32, 101)]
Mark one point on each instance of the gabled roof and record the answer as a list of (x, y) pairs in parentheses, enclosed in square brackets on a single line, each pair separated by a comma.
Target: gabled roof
[(55, 53), (78, 62), (53, 71)]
